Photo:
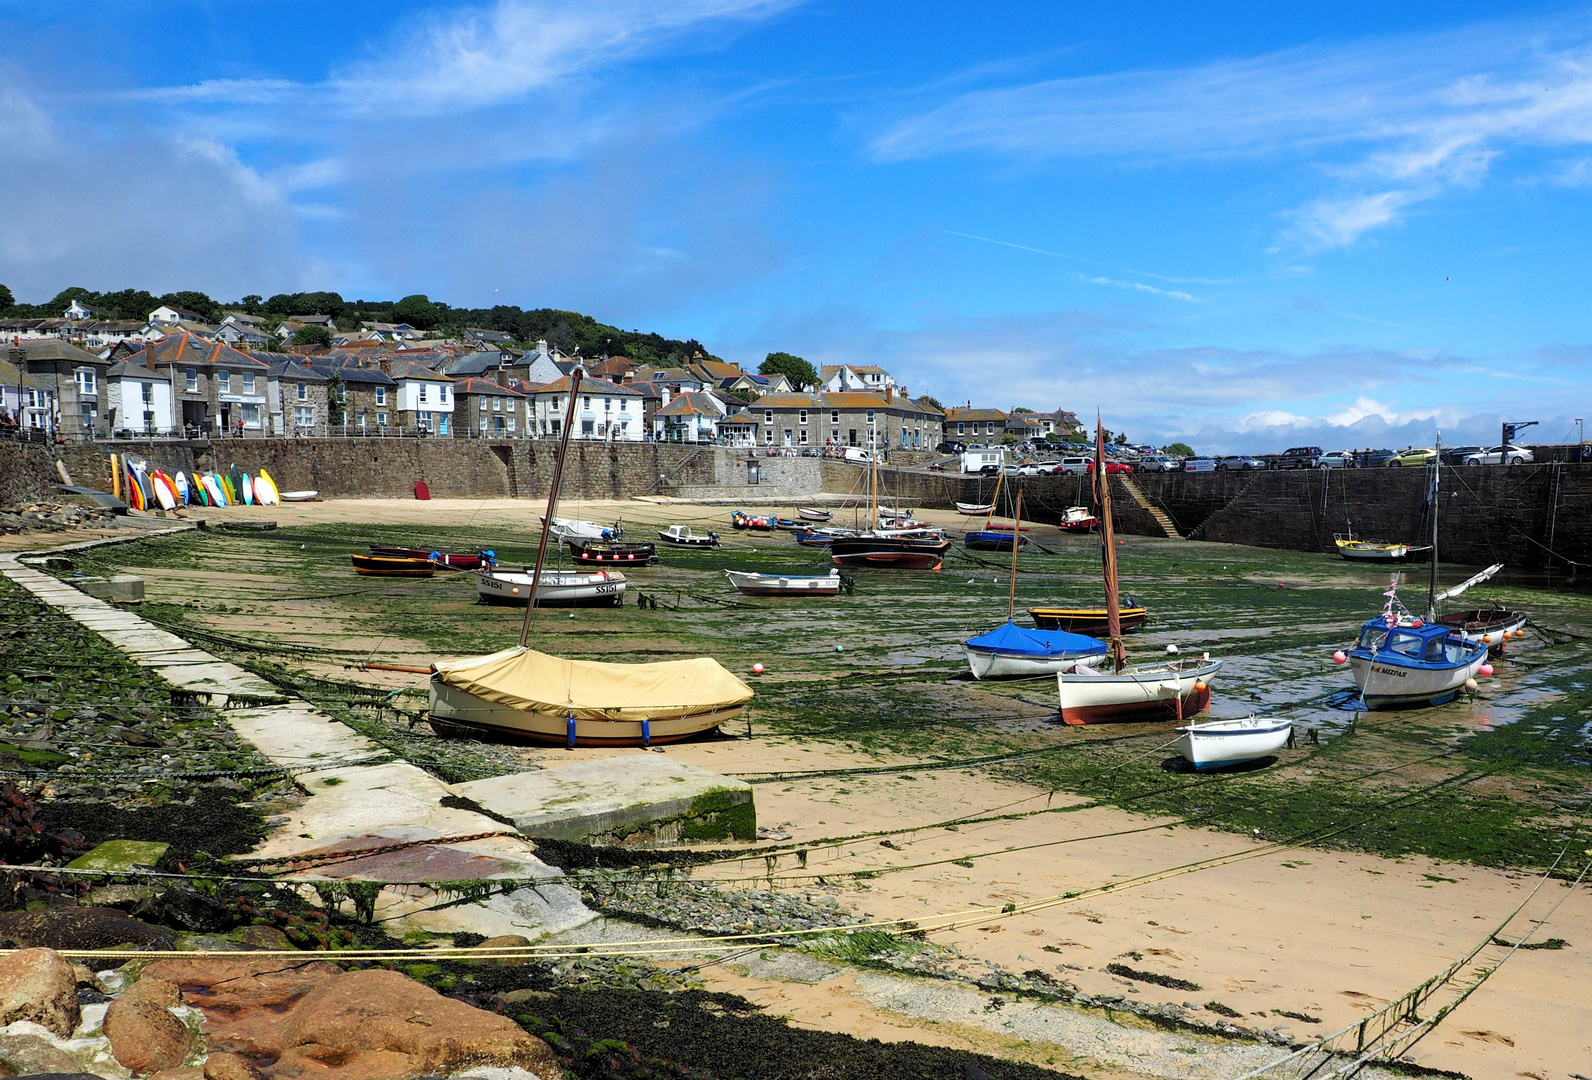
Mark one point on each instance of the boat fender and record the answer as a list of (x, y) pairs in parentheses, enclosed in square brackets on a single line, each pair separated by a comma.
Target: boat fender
[(1470, 684), (1485, 671), (570, 731), (646, 733), (1339, 657)]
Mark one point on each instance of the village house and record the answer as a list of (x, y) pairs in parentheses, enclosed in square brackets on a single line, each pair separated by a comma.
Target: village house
[(243, 331), (77, 311), (216, 390), (689, 418), (606, 411), (424, 396), (847, 419), (139, 398), (385, 331), (970, 423), (66, 388), (488, 409), (300, 403), (488, 337), (1025, 426), (102, 334), (370, 395), (171, 316), (838, 378)]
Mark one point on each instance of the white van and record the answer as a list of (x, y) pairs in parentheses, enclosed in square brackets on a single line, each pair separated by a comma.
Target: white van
[(858, 454), (991, 458)]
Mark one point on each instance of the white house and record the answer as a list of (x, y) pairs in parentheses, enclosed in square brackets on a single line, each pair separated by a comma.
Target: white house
[(171, 316), (425, 397), (243, 331), (691, 417), (78, 311), (837, 378), (605, 411), (139, 399)]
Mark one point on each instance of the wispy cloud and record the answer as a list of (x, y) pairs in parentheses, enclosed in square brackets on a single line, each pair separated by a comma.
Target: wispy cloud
[(1138, 286), (1393, 121)]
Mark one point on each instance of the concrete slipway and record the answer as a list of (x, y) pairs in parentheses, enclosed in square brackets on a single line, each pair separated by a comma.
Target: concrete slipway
[(358, 798)]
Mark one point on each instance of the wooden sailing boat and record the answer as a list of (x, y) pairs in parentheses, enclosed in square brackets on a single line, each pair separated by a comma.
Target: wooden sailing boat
[(523, 694), (1170, 690)]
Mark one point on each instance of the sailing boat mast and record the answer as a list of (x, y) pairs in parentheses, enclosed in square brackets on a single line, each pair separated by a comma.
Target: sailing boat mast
[(552, 504), (1017, 539), (1431, 577), (1108, 549), (994, 500)]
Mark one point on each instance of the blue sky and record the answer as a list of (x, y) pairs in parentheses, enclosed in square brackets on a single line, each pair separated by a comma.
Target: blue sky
[(1246, 225)]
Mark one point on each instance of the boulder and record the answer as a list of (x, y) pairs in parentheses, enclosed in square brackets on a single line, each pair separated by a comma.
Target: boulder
[(80, 928), (186, 909), (263, 937), (506, 941), (231, 1067), (244, 1001), (29, 1055), (145, 1037), (37, 985)]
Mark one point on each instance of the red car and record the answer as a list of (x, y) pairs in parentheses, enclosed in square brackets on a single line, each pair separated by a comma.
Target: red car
[(1113, 467)]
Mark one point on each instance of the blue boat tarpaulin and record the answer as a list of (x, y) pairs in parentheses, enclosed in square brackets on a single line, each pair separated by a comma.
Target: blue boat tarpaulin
[(1023, 641)]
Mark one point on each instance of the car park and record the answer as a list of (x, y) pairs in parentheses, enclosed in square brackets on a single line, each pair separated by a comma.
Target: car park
[(1237, 462), (1298, 457), (1338, 459), (1501, 455), (1199, 464), (1411, 457)]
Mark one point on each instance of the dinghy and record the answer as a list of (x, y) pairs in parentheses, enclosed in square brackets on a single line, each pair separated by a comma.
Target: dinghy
[(300, 496), (1017, 652), (1174, 689), (1493, 627), (974, 509), (682, 536), (563, 587), (787, 584), (991, 540), (571, 529), (1130, 615), (1216, 744), (1378, 551), (390, 566), (809, 513), (443, 560)]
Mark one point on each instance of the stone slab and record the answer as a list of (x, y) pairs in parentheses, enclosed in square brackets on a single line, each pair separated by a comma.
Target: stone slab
[(121, 854), (295, 734), (637, 798), (122, 588)]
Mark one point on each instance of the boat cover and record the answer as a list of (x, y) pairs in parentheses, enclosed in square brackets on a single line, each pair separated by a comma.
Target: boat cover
[(589, 690), (1023, 641)]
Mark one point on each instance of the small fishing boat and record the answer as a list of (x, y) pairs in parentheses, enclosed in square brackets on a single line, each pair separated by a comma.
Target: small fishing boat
[(571, 529), (1412, 663), (974, 509), (1078, 519), (443, 560), (1083, 620), (526, 695), (682, 536), (564, 587), (788, 584), (898, 552), (392, 566), (300, 496), (611, 552), (1216, 744), (809, 513), (1017, 652), (991, 540), (1167, 689)]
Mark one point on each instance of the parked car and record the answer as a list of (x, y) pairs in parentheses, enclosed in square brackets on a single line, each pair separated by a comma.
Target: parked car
[(1501, 455), (1456, 455), (1159, 463), (1371, 459), (1298, 457), (1199, 464), (1338, 459), (950, 448), (1412, 457), (1031, 468), (1236, 462), (1112, 467), (1076, 464)]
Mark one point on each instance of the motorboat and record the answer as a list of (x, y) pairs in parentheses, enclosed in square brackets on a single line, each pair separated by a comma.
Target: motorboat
[(526, 695), (592, 588), (810, 513), (751, 584), (1078, 519), (612, 552), (682, 536), (1412, 663), (572, 529), (443, 560), (1018, 652), (1090, 620), (1216, 744), (1157, 691), (1379, 551)]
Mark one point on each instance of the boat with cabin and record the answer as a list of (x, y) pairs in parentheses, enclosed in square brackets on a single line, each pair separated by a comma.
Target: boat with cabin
[(612, 552), (585, 588), (1078, 519), (572, 529), (682, 536)]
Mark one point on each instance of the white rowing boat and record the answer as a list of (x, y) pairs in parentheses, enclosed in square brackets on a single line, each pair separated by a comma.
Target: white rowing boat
[(300, 496), (974, 509), (556, 587), (571, 529), (809, 513), (786, 584), (1217, 744)]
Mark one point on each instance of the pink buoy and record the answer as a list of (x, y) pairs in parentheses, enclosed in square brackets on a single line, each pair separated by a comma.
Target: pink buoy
[(1418, 623), (1485, 671), (1339, 657), (757, 669)]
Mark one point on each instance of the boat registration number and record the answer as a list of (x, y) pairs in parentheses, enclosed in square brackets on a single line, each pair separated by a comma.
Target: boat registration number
[(1390, 671), (604, 590)]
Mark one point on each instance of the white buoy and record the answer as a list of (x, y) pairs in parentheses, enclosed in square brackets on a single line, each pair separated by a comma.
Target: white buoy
[(1171, 650)]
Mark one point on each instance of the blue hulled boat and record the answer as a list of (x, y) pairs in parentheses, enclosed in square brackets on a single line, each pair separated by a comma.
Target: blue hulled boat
[(992, 540), (1412, 663)]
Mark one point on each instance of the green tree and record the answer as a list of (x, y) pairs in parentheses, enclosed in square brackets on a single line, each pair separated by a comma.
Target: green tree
[(930, 400), (1019, 409), (125, 303), (1180, 449), (336, 399), (251, 303), (312, 335), (418, 311), (6, 299), (801, 374)]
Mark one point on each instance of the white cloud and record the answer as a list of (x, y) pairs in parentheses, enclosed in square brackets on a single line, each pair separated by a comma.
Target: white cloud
[(1363, 407), (1395, 121)]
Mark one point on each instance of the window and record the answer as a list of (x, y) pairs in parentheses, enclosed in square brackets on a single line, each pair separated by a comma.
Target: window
[(251, 415), (442, 394), (381, 396), (148, 390), (624, 406), (834, 416), (768, 416), (381, 419), (248, 382), (482, 406), (423, 420), (359, 418), (608, 403), (961, 429), (586, 425), (303, 392), (423, 389), (192, 384), (86, 383), (585, 403), (508, 423), (851, 436), (903, 436), (801, 416), (497, 404), (224, 381), (803, 437), (768, 436), (870, 416), (304, 416)]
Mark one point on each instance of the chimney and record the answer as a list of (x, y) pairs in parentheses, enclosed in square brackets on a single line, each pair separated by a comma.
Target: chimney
[(149, 357), (502, 377), (889, 394), (386, 364)]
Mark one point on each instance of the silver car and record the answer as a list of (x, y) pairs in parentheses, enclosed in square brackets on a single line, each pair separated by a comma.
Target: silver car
[(1338, 459), (1502, 455)]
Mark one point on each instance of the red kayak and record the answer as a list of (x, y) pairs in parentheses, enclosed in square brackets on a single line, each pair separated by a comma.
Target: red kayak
[(481, 560)]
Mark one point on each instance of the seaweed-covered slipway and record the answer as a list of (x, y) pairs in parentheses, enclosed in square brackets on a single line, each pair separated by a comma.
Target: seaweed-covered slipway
[(943, 880)]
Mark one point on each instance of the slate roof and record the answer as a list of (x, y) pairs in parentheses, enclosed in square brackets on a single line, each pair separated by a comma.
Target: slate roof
[(688, 404), (56, 349), (485, 388), (414, 369), (353, 373), (587, 386), (185, 348)]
